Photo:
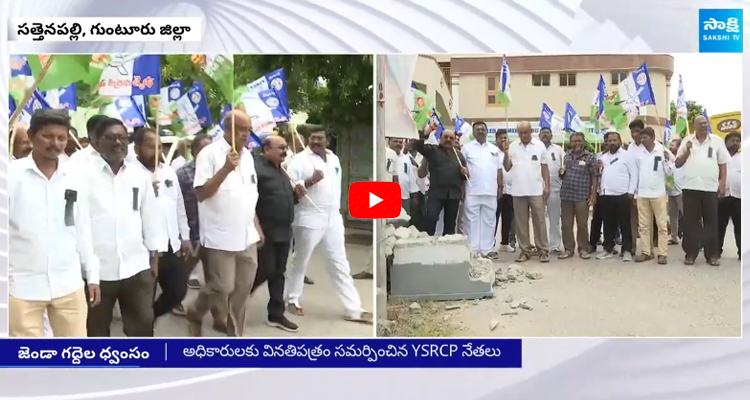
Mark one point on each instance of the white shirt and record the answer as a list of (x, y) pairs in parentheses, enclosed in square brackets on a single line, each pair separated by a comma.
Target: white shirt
[(652, 169), (125, 221), (506, 182), (227, 219), (734, 176), (171, 208), (422, 183), (131, 157), (288, 159), (84, 156), (554, 158), (484, 160), (676, 190), (701, 169), (391, 159), (619, 175), (406, 176), (178, 162), (47, 255), (326, 194), (526, 171)]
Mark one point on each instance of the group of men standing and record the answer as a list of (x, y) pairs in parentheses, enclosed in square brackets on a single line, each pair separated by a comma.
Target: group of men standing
[(579, 202), (105, 227)]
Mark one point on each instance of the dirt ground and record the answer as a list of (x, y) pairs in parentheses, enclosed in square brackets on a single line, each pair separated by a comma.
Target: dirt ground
[(591, 298)]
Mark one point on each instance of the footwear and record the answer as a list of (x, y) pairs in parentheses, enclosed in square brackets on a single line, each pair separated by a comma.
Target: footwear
[(364, 317), (673, 241), (585, 255), (603, 255), (689, 261), (618, 241), (195, 324), (555, 251), (544, 258), (194, 284), (507, 248), (714, 262), (564, 255), (295, 309), (523, 257), (179, 310), (662, 260), (362, 275), (309, 281), (643, 258), (492, 255), (627, 257), (282, 323)]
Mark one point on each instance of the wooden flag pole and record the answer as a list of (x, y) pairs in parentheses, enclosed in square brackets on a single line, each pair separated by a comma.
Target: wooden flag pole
[(234, 145), (26, 97)]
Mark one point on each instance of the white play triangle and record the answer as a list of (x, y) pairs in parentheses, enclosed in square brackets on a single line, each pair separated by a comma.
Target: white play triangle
[(374, 200)]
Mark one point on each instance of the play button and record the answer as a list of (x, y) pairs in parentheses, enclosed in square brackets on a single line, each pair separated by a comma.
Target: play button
[(374, 200)]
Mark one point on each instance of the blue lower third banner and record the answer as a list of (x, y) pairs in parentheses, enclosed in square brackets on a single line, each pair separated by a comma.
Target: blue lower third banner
[(261, 353)]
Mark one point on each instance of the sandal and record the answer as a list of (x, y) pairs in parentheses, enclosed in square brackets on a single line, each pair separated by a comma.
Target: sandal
[(365, 317), (714, 262), (565, 255), (689, 261), (295, 310)]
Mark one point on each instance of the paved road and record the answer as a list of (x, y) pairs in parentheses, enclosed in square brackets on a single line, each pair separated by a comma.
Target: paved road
[(324, 312)]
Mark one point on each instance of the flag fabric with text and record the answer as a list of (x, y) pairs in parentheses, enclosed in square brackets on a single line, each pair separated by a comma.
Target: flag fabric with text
[(192, 108), (545, 119), (274, 81), (705, 115), (35, 103), (65, 69), (667, 133), (436, 124), (63, 98), (274, 103), (129, 112), (600, 95), (220, 68), (463, 129), (573, 122), (642, 81), (681, 124), (503, 95), (119, 75)]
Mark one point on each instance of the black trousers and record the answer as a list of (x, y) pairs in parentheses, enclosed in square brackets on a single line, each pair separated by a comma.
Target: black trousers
[(614, 212), (450, 214), (595, 229), (136, 298), (272, 258), (730, 208), (418, 211), (173, 278), (701, 224), (504, 210)]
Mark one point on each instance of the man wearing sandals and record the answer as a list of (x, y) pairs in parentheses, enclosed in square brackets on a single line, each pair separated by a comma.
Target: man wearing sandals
[(704, 157), (319, 222)]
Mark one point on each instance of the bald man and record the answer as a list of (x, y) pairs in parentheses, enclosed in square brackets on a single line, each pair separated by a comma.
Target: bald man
[(703, 157), (526, 160), (226, 187), (21, 142), (448, 172)]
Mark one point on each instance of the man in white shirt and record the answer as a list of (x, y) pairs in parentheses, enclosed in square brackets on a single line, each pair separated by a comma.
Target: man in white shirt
[(127, 234), (173, 274), (403, 169), (554, 206), (674, 207), (527, 161), (182, 152), (617, 188), (504, 213), (704, 157), (295, 143), (50, 237), (485, 164), (635, 126), (418, 195), (653, 167), (226, 186), (321, 223), (730, 206), (82, 157)]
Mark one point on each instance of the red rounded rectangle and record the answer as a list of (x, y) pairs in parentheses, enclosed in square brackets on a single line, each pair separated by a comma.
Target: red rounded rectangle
[(374, 200)]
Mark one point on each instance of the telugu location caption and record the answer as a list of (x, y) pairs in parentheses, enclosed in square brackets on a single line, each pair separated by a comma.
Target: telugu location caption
[(106, 29)]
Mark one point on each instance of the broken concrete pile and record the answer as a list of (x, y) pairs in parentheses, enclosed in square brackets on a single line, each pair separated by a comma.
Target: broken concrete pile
[(514, 273)]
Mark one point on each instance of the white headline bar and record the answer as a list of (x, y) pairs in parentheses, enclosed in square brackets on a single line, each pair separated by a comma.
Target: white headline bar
[(105, 29)]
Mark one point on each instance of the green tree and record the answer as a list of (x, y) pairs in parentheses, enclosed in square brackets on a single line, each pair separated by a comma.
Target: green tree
[(693, 107)]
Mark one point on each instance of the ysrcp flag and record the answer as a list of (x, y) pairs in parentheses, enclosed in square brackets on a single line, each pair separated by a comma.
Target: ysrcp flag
[(193, 109), (545, 119), (573, 121), (705, 115), (11, 106), (436, 124), (276, 82), (35, 103), (463, 128), (271, 99), (261, 116), (120, 75), (21, 77), (64, 98), (681, 125), (162, 107), (129, 113), (667, 133), (643, 86)]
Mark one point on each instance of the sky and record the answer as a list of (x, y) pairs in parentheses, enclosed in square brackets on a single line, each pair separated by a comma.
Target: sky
[(712, 80)]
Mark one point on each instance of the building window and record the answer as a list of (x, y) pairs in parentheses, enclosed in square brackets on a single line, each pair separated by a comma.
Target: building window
[(618, 77), (491, 84), (540, 79), (445, 68), (491, 89), (491, 100), (567, 79)]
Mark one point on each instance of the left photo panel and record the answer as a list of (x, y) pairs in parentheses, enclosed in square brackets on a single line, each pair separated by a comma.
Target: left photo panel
[(188, 195)]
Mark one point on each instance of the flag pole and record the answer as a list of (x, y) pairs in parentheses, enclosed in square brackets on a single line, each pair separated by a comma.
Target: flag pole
[(26, 97), (234, 148)]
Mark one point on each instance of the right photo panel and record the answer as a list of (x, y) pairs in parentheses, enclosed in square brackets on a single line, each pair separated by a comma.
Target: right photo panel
[(588, 195)]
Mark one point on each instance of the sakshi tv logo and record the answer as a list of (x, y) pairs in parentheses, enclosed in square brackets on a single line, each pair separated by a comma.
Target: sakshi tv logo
[(720, 31)]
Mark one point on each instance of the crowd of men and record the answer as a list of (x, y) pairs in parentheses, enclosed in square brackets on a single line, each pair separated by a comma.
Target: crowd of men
[(579, 202), (107, 224)]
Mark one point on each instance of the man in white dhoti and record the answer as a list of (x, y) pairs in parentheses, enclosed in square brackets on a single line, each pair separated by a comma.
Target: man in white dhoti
[(295, 144), (321, 223), (485, 165)]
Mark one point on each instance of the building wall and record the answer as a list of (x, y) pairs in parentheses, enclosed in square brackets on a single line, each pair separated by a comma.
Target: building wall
[(471, 85), (428, 76), (355, 152)]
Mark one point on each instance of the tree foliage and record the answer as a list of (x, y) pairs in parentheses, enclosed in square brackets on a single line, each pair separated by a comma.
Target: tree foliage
[(344, 100), (694, 109)]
